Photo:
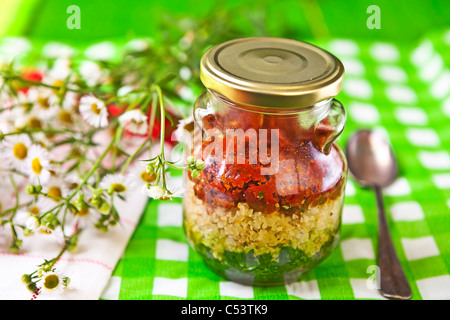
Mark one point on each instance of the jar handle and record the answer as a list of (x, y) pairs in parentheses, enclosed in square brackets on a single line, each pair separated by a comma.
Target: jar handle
[(329, 127), (204, 113)]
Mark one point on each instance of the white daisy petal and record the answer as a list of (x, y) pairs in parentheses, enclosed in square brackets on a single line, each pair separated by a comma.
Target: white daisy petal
[(16, 149), (117, 183), (38, 165), (154, 192), (51, 283), (94, 111), (91, 73), (134, 121)]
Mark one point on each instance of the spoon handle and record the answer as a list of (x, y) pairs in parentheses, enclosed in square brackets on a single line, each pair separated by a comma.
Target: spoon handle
[(394, 283)]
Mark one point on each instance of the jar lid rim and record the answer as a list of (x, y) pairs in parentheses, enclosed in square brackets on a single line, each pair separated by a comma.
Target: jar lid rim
[(270, 72)]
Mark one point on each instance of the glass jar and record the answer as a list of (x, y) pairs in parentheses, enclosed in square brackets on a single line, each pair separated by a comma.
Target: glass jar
[(265, 204)]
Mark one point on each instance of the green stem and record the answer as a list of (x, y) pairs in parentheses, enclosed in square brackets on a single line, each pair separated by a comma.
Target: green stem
[(31, 131), (175, 167), (162, 158), (116, 147), (41, 84)]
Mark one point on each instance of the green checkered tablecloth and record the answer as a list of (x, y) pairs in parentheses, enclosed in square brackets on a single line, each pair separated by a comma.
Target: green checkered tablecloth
[(402, 92), (401, 89)]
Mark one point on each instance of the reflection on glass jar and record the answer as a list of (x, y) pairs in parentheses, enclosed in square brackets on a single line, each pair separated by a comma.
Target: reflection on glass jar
[(267, 205)]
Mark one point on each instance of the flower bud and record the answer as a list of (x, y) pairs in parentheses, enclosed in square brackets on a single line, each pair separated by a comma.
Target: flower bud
[(190, 160), (199, 165), (26, 278), (32, 287), (104, 207), (195, 173), (33, 189), (46, 267), (150, 168)]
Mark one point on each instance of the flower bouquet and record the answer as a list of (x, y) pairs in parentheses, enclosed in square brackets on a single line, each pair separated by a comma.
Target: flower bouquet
[(74, 138)]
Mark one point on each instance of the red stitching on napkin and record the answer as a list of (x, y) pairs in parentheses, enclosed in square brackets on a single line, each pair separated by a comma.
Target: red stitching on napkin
[(97, 262)]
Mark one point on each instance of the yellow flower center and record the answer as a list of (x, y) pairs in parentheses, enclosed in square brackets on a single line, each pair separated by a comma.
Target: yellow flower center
[(35, 123), (34, 211), (20, 151), (36, 166), (95, 108), (65, 116), (83, 211), (51, 281), (55, 192), (118, 187), (147, 177), (58, 84), (43, 102), (45, 230), (80, 211), (137, 123)]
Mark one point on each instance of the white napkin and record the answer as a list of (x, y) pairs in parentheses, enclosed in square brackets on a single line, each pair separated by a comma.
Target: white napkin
[(89, 267)]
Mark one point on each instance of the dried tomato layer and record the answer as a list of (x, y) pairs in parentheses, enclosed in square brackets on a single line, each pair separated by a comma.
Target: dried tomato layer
[(297, 186), (306, 177)]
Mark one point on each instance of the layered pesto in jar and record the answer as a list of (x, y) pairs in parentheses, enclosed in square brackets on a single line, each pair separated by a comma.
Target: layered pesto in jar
[(269, 244)]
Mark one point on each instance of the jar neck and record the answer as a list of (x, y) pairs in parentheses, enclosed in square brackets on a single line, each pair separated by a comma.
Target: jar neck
[(316, 111)]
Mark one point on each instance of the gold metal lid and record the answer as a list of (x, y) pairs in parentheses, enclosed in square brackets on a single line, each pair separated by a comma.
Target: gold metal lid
[(271, 72)]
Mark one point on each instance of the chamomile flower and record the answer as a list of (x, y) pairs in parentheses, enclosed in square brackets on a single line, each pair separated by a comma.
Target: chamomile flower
[(67, 115), (38, 165), (52, 282), (34, 209), (141, 175), (24, 119), (16, 149), (56, 188), (60, 71), (44, 102), (154, 191), (94, 111), (134, 121), (184, 130), (117, 184)]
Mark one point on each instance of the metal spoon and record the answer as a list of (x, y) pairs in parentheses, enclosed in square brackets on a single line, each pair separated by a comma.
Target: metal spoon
[(372, 163)]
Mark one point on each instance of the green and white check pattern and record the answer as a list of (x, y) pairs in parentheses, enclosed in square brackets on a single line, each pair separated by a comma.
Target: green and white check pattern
[(401, 91), (404, 93)]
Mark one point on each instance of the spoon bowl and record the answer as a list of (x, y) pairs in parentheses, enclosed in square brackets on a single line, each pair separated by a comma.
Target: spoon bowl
[(371, 160), (372, 163)]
